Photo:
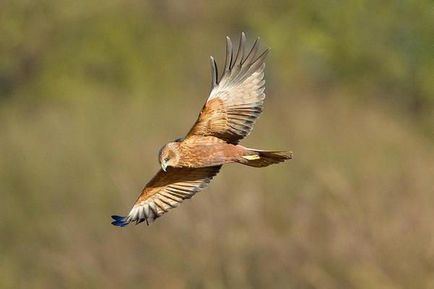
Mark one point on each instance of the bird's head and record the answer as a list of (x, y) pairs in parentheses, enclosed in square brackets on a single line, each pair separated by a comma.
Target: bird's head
[(168, 156)]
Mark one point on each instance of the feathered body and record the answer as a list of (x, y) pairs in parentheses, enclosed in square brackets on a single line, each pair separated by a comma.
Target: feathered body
[(198, 152)]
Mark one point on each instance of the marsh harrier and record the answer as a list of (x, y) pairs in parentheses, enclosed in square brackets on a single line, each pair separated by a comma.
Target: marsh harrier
[(188, 164)]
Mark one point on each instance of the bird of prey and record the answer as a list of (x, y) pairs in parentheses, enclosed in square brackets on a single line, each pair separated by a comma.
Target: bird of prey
[(188, 165)]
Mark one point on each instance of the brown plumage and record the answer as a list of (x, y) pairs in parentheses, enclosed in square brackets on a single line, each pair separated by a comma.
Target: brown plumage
[(188, 165)]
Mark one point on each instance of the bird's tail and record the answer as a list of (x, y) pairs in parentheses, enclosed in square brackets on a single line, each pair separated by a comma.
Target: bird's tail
[(262, 158)]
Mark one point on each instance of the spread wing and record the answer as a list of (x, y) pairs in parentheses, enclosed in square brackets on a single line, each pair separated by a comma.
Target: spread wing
[(236, 100), (165, 191)]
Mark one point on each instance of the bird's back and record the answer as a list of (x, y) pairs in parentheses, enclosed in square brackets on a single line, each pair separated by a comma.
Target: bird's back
[(206, 152)]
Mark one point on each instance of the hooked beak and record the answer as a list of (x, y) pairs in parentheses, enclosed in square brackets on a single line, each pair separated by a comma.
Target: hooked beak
[(164, 166)]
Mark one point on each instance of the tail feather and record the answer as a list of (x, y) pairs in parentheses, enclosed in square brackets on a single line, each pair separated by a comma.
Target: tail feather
[(262, 158)]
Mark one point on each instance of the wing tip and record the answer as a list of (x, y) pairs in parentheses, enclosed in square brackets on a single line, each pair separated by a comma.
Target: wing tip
[(119, 221), (243, 64), (214, 73)]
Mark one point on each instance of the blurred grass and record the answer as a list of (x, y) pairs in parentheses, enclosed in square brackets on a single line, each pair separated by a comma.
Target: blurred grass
[(90, 91)]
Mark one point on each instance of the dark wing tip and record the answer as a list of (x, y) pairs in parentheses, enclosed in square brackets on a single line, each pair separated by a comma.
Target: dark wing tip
[(239, 65), (214, 73), (119, 221)]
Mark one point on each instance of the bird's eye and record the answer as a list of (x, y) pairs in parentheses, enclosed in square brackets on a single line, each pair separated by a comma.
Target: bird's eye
[(166, 159)]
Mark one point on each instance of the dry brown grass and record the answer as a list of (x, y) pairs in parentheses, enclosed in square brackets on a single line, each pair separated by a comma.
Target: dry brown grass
[(352, 210)]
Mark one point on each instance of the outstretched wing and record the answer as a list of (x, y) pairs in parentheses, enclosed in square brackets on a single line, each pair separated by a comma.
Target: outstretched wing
[(165, 191), (236, 100)]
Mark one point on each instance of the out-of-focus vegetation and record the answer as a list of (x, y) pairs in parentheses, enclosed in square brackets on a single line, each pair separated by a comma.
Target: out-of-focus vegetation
[(89, 91)]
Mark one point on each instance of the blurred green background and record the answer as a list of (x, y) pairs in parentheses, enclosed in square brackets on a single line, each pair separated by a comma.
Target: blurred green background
[(90, 90)]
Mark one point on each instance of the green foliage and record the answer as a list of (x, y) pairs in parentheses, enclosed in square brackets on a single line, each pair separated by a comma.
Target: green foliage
[(89, 91)]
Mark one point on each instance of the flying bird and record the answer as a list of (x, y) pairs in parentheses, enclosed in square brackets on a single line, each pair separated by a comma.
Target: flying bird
[(188, 165)]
